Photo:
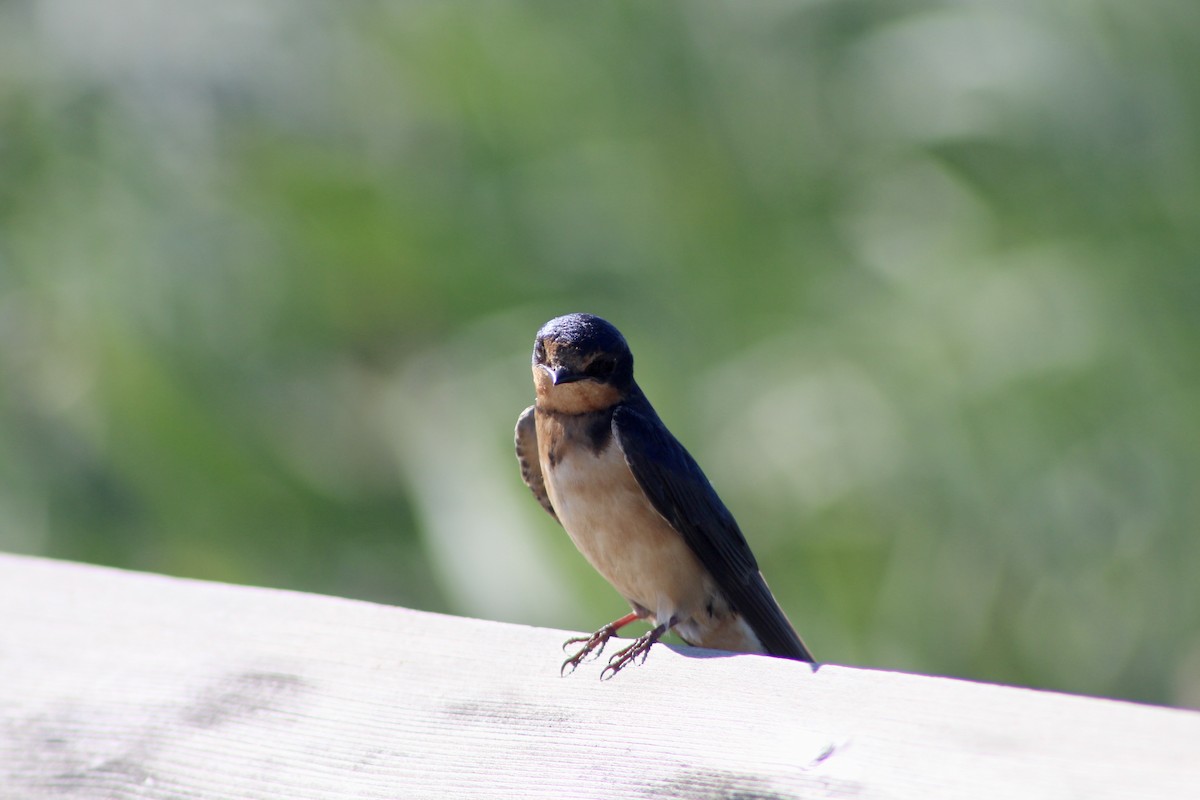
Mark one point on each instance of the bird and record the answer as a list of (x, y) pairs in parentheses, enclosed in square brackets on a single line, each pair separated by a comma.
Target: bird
[(598, 459)]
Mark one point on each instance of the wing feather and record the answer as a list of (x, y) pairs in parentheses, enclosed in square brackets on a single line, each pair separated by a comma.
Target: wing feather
[(679, 490), (527, 456)]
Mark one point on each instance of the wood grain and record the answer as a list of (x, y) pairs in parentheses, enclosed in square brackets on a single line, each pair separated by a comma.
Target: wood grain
[(124, 685)]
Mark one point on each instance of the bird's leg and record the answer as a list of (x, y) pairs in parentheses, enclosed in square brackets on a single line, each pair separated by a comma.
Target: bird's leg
[(640, 647), (594, 643)]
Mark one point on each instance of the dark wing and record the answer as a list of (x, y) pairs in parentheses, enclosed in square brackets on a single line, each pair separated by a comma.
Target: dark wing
[(527, 456), (679, 491)]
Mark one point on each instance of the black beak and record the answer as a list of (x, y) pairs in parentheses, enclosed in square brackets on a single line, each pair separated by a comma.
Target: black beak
[(560, 375)]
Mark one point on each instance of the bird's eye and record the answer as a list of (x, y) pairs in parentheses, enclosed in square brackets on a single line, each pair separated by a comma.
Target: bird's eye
[(601, 367), (539, 352)]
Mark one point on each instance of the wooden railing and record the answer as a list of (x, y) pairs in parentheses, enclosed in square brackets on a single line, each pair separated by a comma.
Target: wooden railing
[(125, 685)]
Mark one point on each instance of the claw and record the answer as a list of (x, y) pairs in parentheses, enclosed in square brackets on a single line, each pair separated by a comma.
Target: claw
[(586, 640), (593, 644), (640, 647)]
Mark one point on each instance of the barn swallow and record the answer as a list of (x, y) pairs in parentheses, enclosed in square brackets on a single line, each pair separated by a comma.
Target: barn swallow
[(633, 500)]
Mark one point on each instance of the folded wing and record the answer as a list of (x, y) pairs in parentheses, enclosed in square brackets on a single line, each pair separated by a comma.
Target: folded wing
[(679, 490)]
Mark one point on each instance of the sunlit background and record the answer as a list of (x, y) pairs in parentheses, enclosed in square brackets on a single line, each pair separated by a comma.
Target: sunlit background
[(917, 283)]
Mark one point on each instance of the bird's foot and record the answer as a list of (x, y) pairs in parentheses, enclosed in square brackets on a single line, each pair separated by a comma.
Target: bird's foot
[(593, 644), (640, 647)]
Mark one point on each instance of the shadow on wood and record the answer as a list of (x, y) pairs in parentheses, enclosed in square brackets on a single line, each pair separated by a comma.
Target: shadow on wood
[(126, 685)]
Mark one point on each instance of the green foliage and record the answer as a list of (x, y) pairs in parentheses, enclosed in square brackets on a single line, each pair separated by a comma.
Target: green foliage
[(918, 284)]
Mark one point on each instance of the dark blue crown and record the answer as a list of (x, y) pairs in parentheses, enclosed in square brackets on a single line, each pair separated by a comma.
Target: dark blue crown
[(586, 333)]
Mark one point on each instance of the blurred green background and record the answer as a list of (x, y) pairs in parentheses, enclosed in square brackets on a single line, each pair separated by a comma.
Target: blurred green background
[(918, 284)]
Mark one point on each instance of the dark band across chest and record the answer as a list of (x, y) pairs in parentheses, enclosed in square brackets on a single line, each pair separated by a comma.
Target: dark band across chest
[(591, 431)]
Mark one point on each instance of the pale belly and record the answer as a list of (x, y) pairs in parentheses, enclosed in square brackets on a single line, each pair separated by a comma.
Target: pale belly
[(612, 523)]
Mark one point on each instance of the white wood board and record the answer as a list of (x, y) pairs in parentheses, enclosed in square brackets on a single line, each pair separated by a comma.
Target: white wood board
[(125, 685)]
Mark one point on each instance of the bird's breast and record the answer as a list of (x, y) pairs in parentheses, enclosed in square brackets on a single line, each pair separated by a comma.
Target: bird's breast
[(611, 521)]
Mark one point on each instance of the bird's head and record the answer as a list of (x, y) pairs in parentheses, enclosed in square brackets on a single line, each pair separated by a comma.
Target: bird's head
[(581, 363)]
